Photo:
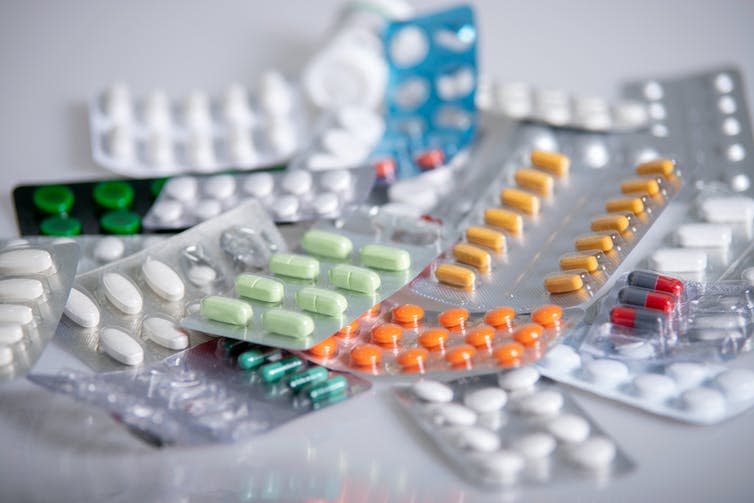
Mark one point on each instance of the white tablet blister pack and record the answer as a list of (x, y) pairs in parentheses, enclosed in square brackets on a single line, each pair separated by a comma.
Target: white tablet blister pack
[(128, 312), (289, 196), (512, 429), (296, 300), (155, 135), (35, 279)]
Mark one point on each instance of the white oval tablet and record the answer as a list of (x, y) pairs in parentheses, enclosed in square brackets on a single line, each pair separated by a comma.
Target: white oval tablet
[(569, 428), (325, 203), (737, 384), (220, 186), (120, 346), (486, 400), (727, 209), (21, 290), (687, 374), (654, 386), (163, 280), (636, 350), (122, 293), (165, 333), (182, 188), (541, 403), (678, 260), (259, 184), (10, 333), (535, 445), (336, 180), (296, 182), (6, 356), (519, 379), (14, 313), (201, 275), (451, 414), (432, 391), (206, 209), (25, 261), (81, 309), (493, 421), (167, 211), (285, 207), (476, 438), (704, 236), (109, 249), (606, 371), (503, 466), (595, 453), (706, 402), (562, 358)]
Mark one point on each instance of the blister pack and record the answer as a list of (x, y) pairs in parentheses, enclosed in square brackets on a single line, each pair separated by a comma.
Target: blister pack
[(128, 312), (296, 300), (289, 196), (157, 135), (35, 279), (219, 391), (403, 341), (743, 268), (512, 429)]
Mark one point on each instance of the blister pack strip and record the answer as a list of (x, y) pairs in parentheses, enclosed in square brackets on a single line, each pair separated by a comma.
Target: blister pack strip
[(210, 393), (512, 429), (403, 341), (35, 279), (295, 301), (289, 196), (156, 135)]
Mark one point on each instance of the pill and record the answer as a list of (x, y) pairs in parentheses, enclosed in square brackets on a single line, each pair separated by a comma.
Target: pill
[(296, 182), (25, 261), (455, 275), (617, 223), (460, 356), (288, 323), (536, 181), (117, 103), (109, 249), (354, 278), (259, 288), (737, 384), (504, 467), (642, 185), (383, 257), (366, 356), (704, 236), (705, 402), (637, 318), (520, 200), (485, 400), (563, 283), (326, 244), (321, 301), (562, 358), (259, 184), (600, 242), (504, 219), (687, 374), (454, 317), (486, 237), (535, 445), (182, 188), (472, 255), (678, 260), (165, 333), (434, 339), (432, 391), (451, 414), (330, 389), (206, 209), (595, 453), (309, 377), (662, 167), (735, 209), (632, 204), (569, 428), (548, 315), (163, 280), (294, 266), (325, 203), (274, 371), (60, 226), (201, 275), (10, 333), (6, 356), (541, 403), (652, 281), (413, 359), (481, 337), (167, 211), (606, 371), (509, 354), (637, 350), (219, 187), (285, 207), (528, 335), (519, 379), (16, 313), (579, 261), (654, 386), (476, 438), (81, 309), (408, 315), (21, 290), (552, 162), (336, 180), (325, 349), (120, 346), (251, 359), (649, 299), (500, 317), (226, 310)]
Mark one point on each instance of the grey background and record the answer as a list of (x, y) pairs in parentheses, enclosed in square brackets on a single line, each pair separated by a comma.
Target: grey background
[(55, 55)]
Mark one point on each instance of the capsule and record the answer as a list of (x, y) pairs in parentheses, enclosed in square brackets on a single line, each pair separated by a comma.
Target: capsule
[(504, 219), (652, 281), (552, 162), (333, 387), (488, 238), (272, 372), (564, 283), (632, 204), (455, 275), (520, 200), (631, 317), (642, 185), (600, 242), (473, 256), (664, 167), (308, 377), (534, 180), (588, 263), (617, 223), (649, 299)]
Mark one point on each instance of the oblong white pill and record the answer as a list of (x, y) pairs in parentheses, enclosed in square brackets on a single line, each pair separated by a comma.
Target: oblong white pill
[(704, 236), (109, 249), (163, 280), (81, 309), (654, 386), (6, 356), (737, 384), (678, 260), (475, 438), (486, 400), (10, 333), (606, 371), (21, 290), (503, 466), (541, 403), (595, 453), (220, 186), (122, 293), (535, 445), (165, 333), (727, 209), (706, 402), (562, 358), (25, 261), (15, 313), (726, 321), (259, 184), (325, 203), (519, 379), (120, 346), (336, 180), (201, 275), (297, 182), (569, 428), (182, 188), (432, 391), (452, 414), (687, 374)]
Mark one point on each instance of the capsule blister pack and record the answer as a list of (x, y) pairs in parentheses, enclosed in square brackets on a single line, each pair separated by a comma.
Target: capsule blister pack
[(402, 340), (157, 135), (128, 312), (35, 279), (289, 196), (296, 300), (219, 391), (512, 429)]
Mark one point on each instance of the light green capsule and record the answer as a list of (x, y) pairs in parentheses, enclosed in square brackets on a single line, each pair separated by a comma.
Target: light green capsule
[(226, 310), (321, 301), (385, 257), (357, 279), (327, 244), (259, 288), (294, 266), (289, 323)]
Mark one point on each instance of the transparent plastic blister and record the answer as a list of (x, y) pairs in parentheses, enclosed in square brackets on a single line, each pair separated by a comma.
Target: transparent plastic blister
[(340, 271), (403, 341), (128, 312), (203, 395), (35, 279), (512, 429), (155, 135), (97, 251)]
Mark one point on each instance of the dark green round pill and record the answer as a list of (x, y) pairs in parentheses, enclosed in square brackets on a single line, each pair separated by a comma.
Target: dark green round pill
[(55, 199), (120, 222), (114, 194), (60, 226)]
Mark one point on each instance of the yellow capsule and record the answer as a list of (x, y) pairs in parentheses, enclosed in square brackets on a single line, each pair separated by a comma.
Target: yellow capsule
[(455, 275), (632, 204), (644, 185), (534, 180), (553, 162), (472, 255), (587, 262), (563, 283), (520, 200), (600, 242), (486, 237), (610, 223), (662, 167), (504, 219)]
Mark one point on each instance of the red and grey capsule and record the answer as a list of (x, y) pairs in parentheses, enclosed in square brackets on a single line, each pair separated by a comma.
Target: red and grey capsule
[(654, 281), (631, 317), (650, 299)]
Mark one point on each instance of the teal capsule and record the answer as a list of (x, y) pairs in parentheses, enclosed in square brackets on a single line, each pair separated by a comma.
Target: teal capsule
[(272, 372), (356, 279), (385, 257), (294, 266), (332, 387), (326, 244), (259, 288), (310, 376), (251, 359), (321, 301)]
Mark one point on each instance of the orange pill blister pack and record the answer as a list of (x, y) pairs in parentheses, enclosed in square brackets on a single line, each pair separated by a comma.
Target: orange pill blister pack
[(404, 340)]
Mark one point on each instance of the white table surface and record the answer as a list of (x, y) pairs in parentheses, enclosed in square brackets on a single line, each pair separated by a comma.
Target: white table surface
[(55, 55)]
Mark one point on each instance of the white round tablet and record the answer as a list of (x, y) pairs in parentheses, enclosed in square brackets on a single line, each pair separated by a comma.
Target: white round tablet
[(296, 182), (606, 371), (220, 186), (636, 350), (451, 414), (654, 386), (535, 445), (486, 400), (503, 466), (562, 358), (336, 180), (206, 209), (201, 275), (325, 203), (706, 402), (167, 211), (595, 453), (737, 384), (569, 428), (475, 438), (432, 391), (259, 184), (519, 379), (182, 188), (409, 46), (284, 207), (687, 374), (109, 249), (541, 403)]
